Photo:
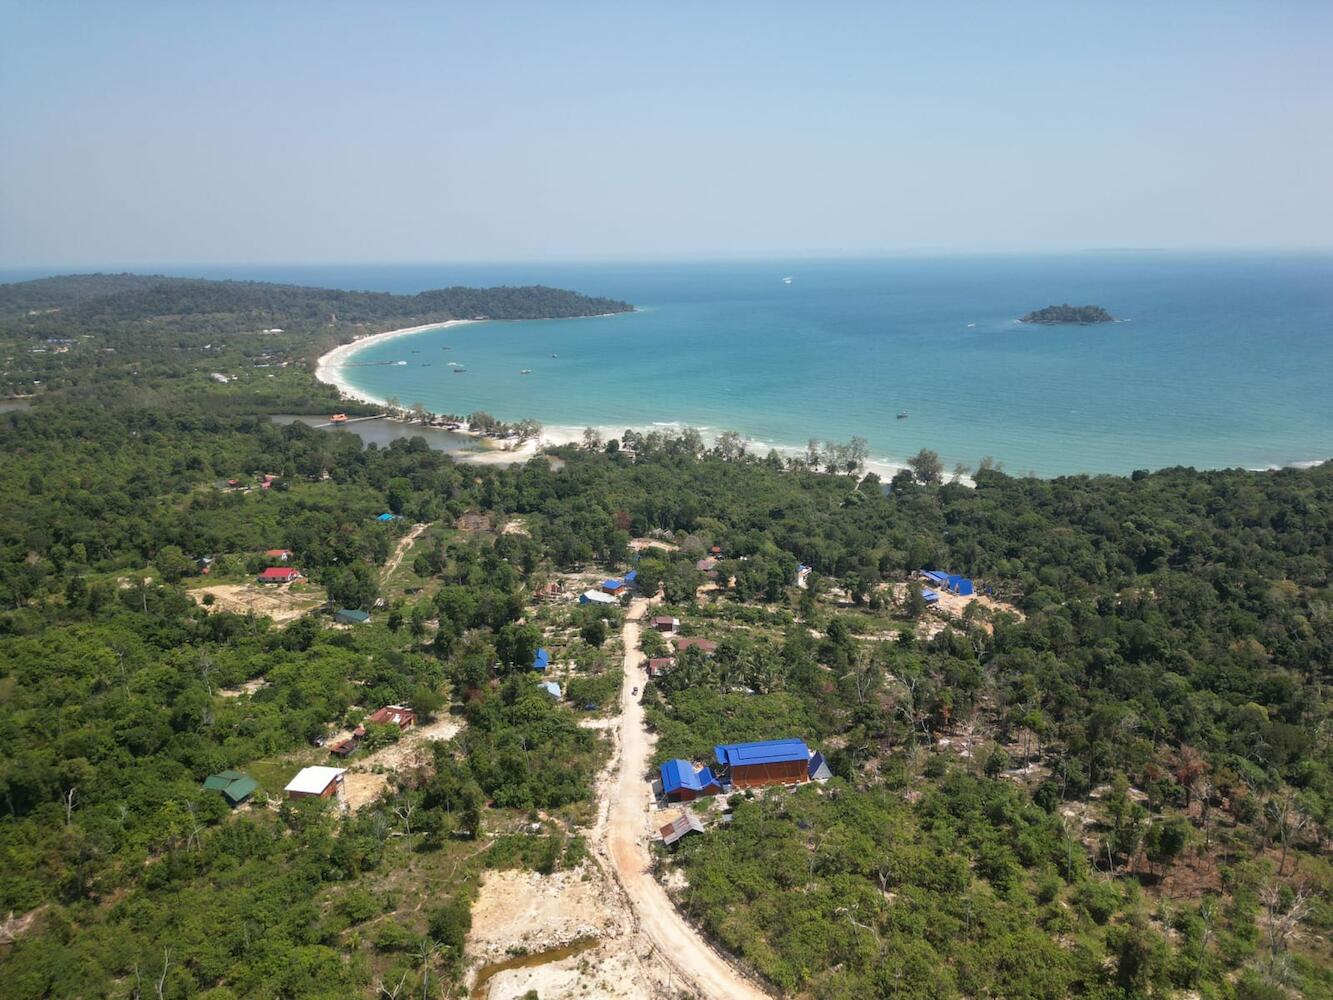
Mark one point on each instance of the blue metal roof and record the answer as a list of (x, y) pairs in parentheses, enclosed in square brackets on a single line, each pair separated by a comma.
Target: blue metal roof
[(552, 688), (929, 596), (631, 576), (612, 584), (766, 752), (678, 774), (542, 660), (937, 575)]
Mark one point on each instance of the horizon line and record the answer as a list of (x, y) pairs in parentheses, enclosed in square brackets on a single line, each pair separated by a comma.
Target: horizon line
[(149, 267)]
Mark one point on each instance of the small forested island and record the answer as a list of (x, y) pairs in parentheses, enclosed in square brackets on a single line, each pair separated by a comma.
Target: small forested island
[(1083, 315)]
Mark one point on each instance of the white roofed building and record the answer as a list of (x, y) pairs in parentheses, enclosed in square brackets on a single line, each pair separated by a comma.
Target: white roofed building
[(316, 782)]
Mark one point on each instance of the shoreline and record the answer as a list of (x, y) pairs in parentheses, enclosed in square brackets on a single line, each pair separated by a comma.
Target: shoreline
[(329, 365), (328, 368)]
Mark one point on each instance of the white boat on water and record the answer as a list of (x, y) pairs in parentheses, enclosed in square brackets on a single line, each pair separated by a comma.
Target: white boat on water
[(786, 281), (526, 371)]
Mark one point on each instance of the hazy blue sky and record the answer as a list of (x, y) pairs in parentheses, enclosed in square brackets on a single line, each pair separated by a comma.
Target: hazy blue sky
[(138, 132)]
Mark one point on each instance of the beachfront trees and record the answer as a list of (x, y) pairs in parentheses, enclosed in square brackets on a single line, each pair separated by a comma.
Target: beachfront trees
[(926, 467)]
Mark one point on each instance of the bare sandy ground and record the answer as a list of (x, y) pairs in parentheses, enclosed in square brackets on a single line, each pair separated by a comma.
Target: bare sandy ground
[(249, 687), (362, 785), (518, 909), (639, 544), (280, 603)]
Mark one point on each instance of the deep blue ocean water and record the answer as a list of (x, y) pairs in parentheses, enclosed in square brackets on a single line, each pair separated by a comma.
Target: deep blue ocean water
[(1221, 360)]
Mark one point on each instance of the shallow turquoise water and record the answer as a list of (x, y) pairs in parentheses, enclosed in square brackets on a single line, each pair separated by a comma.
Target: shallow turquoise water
[(1221, 360)]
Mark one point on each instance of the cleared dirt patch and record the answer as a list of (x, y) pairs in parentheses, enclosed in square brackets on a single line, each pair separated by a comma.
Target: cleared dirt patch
[(249, 687), (362, 785), (532, 912), (639, 544), (282, 604)]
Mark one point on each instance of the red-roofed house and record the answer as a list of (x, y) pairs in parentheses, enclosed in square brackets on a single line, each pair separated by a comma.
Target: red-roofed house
[(280, 574), (660, 665), (403, 718)]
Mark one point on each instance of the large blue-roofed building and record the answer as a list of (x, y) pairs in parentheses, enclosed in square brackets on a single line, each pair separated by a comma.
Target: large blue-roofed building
[(542, 660), (770, 762)]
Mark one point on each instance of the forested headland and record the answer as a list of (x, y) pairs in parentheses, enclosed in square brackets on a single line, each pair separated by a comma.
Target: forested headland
[(1108, 776)]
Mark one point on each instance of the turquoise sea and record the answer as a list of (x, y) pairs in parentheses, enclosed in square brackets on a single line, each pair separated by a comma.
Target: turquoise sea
[(1220, 360)]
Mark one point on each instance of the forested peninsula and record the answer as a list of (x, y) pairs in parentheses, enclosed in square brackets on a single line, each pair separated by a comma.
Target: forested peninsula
[(1067, 314), (1096, 761)]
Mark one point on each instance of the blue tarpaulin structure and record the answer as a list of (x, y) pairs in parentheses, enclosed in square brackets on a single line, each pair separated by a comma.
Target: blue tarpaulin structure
[(386, 516), (929, 596), (542, 660), (960, 585), (552, 688), (765, 752), (631, 577)]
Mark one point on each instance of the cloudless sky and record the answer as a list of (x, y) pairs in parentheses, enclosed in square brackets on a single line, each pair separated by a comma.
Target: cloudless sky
[(143, 132)]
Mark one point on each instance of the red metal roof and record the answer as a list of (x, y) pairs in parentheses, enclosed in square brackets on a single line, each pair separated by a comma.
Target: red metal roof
[(282, 574), (395, 714)]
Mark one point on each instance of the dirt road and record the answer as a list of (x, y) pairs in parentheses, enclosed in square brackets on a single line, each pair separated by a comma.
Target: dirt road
[(626, 845), (404, 544)]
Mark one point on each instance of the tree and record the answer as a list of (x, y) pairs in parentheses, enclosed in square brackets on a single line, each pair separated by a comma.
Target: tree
[(594, 632), (172, 563), (854, 457), (926, 467), (1165, 840), (516, 645)]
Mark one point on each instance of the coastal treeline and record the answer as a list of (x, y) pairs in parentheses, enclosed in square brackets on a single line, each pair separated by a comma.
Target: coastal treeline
[(1109, 776)]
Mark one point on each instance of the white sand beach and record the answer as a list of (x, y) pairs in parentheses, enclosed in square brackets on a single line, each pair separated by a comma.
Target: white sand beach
[(329, 369)]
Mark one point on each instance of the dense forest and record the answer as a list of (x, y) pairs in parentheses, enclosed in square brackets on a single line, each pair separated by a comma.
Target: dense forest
[(1108, 776)]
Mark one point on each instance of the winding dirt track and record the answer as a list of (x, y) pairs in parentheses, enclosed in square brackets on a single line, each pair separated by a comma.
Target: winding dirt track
[(626, 846), (404, 544)]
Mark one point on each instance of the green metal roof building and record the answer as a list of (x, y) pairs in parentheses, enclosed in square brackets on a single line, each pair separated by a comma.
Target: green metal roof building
[(351, 616), (234, 786)]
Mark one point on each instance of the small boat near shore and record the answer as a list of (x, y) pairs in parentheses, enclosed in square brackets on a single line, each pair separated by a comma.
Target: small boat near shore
[(902, 415), (526, 371), (459, 370)]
